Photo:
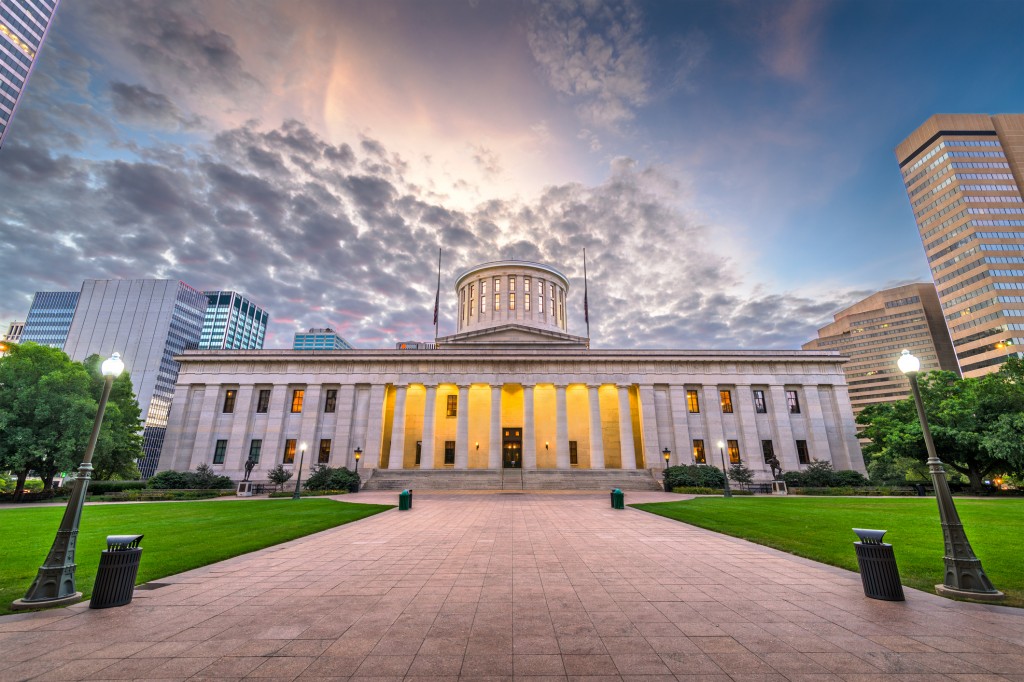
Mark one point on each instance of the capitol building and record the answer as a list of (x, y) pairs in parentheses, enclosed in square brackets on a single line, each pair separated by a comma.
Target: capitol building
[(510, 393)]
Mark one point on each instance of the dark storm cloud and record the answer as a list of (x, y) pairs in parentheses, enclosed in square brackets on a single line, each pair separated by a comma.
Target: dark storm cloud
[(139, 104)]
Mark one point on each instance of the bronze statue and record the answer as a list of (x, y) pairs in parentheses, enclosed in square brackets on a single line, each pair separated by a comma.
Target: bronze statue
[(776, 467), (250, 464)]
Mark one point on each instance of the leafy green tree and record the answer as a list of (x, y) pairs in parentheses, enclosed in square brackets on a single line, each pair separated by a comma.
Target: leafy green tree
[(46, 412), (279, 476), (741, 474), (119, 447)]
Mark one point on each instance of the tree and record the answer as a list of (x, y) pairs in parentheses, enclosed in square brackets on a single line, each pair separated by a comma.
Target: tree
[(46, 412), (279, 476), (119, 447), (741, 474)]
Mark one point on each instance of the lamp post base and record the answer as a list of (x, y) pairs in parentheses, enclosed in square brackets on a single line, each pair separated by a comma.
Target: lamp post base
[(952, 592), (23, 605)]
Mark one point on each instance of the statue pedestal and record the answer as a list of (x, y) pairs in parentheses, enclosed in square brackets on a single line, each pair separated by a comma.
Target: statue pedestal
[(244, 489), (779, 488)]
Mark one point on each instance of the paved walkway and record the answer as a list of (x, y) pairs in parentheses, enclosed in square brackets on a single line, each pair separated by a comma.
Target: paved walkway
[(477, 587)]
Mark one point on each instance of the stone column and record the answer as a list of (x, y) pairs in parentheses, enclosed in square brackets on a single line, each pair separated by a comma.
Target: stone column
[(596, 439), (682, 453), (273, 437), (751, 452), (341, 442), (649, 424), (238, 446), (626, 430), (374, 426), (429, 420), (312, 413), (819, 445), (462, 429), (779, 410), (561, 429), (494, 447), (712, 409), (397, 454), (529, 436)]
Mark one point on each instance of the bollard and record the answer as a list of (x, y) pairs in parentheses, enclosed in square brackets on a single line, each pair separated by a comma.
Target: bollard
[(877, 562)]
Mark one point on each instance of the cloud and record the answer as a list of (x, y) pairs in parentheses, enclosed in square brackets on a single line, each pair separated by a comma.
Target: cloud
[(140, 105), (790, 37), (595, 54)]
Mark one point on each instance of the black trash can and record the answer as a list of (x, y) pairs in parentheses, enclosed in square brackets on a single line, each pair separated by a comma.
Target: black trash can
[(115, 577), (877, 562), (920, 490)]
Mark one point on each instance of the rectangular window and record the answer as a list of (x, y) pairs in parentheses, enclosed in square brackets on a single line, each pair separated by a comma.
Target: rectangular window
[(801, 452), (472, 300), (734, 451), (331, 404), (449, 452), (527, 301), (561, 307), (218, 452), (511, 300), (511, 283), (324, 456), (462, 308), (540, 296), (497, 302), (289, 451), (263, 403), (767, 449), (759, 404), (419, 451), (297, 396), (726, 397), (453, 406), (698, 451), (255, 448), (574, 456), (497, 285), (551, 300), (692, 402), (793, 401), (483, 296), (229, 400)]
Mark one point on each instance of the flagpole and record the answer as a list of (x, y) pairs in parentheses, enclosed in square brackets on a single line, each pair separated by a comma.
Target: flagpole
[(437, 297), (586, 306)]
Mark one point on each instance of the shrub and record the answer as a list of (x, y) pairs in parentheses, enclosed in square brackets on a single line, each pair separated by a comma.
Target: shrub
[(324, 477), (740, 473), (693, 476), (104, 487), (279, 475), (170, 480), (202, 479), (794, 479), (850, 479), (695, 490), (205, 479), (819, 474)]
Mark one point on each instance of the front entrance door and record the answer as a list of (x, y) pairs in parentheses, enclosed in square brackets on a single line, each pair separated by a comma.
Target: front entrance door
[(512, 448)]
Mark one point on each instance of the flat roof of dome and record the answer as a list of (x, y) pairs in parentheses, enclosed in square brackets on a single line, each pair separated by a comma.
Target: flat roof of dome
[(512, 264)]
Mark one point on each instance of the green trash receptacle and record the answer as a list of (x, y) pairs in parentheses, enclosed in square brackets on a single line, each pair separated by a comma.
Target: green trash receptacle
[(618, 499), (115, 576), (404, 501)]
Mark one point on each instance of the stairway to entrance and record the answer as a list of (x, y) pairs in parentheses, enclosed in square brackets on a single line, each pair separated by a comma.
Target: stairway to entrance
[(512, 479)]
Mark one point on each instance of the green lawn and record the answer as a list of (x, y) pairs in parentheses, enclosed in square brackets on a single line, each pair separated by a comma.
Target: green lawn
[(179, 535), (820, 529)]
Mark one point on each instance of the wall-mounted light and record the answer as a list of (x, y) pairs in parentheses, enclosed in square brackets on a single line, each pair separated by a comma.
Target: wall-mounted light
[(545, 445), (478, 445)]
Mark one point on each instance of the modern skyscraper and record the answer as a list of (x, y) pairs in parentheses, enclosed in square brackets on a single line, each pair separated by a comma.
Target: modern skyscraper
[(320, 339), (233, 322), (964, 174), (23, 28), (149, 322), (872, 332), (14, 330), (49, 318)]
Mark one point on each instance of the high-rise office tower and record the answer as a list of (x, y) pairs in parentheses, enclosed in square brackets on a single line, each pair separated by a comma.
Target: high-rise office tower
[(14, 330), (148, 321), (49, 318), (320, 339), (233, 322), (872, 332), (964, 175), (23, 28)]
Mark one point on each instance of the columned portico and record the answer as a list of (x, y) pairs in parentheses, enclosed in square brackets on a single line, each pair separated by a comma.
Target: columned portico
[(529, 434), (626, 446), (428, 451), (494, 451), (596, 437), (561, 429), (397, 454), (462, 429)]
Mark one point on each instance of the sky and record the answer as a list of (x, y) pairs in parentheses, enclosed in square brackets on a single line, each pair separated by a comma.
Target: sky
[(728, 166)]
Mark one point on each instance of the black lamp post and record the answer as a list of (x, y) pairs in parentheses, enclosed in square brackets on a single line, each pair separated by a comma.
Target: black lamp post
[(55, 583), (298, 479), (721, 450), (667, 454), (358, 454), (964, 574)]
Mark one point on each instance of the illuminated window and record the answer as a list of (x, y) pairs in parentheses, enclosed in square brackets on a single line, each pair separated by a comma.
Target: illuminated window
[(449, 452), (324, 456), (551, 299), (793, 401), (692, 402), (767, 449), (698, 451), (229, 400), (801, 452), (453, 406), (734, 451), (483, 296), (497, 302), (297, 396), (726, 398), (540, 296), (472, 301), (511, 283), (219, 450), (255, 448), (511, 300), (331, 404), (759, 404), (527, 301), (462, 310), (289, 451)]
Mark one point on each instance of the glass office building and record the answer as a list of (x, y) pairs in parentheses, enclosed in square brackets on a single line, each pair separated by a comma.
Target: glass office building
[(23, 28), (49, 318), (232, 322), (320, 339)]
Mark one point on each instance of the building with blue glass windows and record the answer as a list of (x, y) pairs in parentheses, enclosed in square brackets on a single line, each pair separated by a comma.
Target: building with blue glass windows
[(148, 322), (23, 28), (49, 318), (320, 339), (232, 322)]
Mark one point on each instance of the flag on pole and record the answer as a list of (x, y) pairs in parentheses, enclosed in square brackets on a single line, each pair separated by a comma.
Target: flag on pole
[(437, 297), (586, 303)]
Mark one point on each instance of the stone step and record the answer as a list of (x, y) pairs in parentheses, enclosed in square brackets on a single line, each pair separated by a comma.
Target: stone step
[(512, 479)]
